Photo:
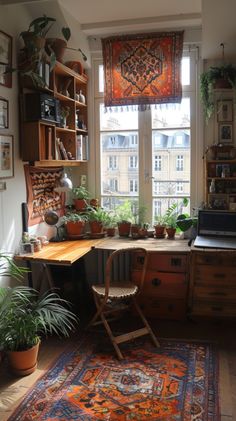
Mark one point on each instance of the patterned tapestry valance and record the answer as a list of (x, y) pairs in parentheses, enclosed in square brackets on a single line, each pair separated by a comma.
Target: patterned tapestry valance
[(143, 69), (40, 184)]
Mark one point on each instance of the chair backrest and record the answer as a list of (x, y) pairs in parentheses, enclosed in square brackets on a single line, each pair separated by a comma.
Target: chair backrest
[(115, 254)]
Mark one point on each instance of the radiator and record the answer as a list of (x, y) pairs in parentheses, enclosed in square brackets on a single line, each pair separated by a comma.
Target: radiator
[(120, 269)]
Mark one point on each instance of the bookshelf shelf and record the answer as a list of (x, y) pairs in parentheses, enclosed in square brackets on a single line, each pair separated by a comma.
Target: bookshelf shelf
[(43, 140)]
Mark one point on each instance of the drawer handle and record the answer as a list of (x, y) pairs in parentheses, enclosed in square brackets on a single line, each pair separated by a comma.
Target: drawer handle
[(175, 261), (140, 260), (156, 282), (219, 275), (216, 308)]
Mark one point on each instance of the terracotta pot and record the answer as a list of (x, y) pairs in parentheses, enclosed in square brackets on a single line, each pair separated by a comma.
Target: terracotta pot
[(23, 363), (96, 227), (80, 204), (171, 232), (143, 233), (58, 46), (222, 83), (75, 228), (94, 203), (111, 232), (134, 231), (160, 230), (124, 229)]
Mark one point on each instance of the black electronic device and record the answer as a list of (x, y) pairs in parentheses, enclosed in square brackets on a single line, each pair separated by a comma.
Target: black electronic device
[(41, 106)]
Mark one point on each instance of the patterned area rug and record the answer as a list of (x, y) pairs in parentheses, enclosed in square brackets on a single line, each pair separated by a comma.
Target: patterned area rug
[(177, 382)]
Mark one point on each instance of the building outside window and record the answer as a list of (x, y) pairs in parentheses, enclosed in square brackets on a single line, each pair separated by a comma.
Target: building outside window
[(133, 161), (112, 162), (180, 163), (133, 186), (157, 162), (179, 187)]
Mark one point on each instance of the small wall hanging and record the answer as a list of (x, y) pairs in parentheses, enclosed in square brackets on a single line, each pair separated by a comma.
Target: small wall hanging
[(4, 114), (6, 156), (5, 59)]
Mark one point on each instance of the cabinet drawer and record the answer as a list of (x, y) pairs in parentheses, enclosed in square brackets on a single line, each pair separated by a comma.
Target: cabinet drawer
[(219, 295), (163, 309), (213, 259), (162, 262), (213, 309), (215, 275), (161, 284)]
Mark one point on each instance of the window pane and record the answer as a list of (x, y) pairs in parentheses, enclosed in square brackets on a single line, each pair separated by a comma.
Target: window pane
[(161, 205), (171, 115), (185, 71), (119, 163), (119, 118)]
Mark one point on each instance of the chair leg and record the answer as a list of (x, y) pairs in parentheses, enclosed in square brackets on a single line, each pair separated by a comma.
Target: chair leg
[(139, 311), (112, 337)]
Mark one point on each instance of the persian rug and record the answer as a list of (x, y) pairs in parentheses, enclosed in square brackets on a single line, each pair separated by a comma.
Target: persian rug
[(143, 68), (177, 382), (40, 184)]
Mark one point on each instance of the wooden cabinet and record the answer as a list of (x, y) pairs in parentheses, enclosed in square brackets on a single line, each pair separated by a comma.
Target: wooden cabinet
[(221, 179), (213, 283), (45, 138), (164, 293)]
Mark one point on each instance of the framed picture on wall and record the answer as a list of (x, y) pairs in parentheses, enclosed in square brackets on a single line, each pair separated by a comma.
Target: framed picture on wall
[(225, 133), (225, 110), (5, 59), (3, 113), (6, 156)]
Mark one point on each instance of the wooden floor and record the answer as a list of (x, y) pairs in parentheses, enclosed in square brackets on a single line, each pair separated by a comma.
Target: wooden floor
[(12, 389)]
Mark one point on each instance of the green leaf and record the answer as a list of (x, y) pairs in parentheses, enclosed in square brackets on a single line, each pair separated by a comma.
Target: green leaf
[(66, 33)]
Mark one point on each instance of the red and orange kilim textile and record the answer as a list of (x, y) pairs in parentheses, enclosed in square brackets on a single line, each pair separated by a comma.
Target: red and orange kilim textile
[(143, 69), (40, 184)]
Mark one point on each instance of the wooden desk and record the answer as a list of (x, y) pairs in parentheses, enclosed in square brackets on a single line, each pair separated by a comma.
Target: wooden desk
[(150, 244), (62, 253)]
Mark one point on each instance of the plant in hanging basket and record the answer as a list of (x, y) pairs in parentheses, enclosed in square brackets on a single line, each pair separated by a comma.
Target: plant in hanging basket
[(220, 77)]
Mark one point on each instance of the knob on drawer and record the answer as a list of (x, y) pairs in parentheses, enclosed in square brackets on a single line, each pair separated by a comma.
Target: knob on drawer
[(156, 282)]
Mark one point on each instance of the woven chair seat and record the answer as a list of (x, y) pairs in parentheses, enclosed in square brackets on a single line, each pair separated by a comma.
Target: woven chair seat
[(121, 290)]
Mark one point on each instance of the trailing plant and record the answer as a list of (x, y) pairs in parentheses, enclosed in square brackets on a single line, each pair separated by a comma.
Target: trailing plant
[(74, 217), (24, 316), (208, 79)]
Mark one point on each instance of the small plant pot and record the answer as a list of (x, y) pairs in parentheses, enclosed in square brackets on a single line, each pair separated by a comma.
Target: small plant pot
[(96, 227), (58, 46), (94, 203), (111, 231), (160, 230), (134, 231), (171, 232), (143, 233), (75, 228), (80, 204), (23, 363), (124, 229)]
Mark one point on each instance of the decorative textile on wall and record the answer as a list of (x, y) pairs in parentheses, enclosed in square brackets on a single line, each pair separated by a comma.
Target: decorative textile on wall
[(40, 183), (143, 69)]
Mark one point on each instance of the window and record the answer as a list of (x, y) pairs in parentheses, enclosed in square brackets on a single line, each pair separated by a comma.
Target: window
[(180, 163), (156, 145), (179, 187), (157, 163), (133, 186), (133, 161), (112, 162)]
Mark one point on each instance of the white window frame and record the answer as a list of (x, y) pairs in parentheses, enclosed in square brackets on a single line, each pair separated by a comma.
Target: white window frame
[(133, 185), (180, 163), (157, 163), (145, 147), (133, 162), (112, 162)]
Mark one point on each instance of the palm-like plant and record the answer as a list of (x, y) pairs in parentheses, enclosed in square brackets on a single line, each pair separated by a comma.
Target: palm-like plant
[(9, 268), (24, 315)]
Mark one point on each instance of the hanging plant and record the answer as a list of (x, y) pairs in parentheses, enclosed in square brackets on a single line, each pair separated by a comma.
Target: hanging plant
[(215, 77)]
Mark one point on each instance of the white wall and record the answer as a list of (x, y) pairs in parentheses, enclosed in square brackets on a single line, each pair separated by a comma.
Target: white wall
[(218, 26)]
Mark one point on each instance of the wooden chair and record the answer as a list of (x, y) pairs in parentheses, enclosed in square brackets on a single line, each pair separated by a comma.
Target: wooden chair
[(123, 293)]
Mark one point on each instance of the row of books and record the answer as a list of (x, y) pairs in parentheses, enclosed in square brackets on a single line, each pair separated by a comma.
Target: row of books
[(82, 148)]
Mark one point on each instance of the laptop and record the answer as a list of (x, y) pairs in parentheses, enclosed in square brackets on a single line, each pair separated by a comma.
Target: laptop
[(216, 229)]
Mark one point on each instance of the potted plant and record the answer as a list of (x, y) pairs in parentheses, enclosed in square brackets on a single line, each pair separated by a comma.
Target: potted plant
[(110, 224), (160, 226), (24, 316), (125, 218), (80, 197), (215, 77), (74, 223), (97, 220), (171, 216)]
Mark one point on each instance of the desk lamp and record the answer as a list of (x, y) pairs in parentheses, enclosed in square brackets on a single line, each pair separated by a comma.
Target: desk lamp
[(64, 184), (51, 218)]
